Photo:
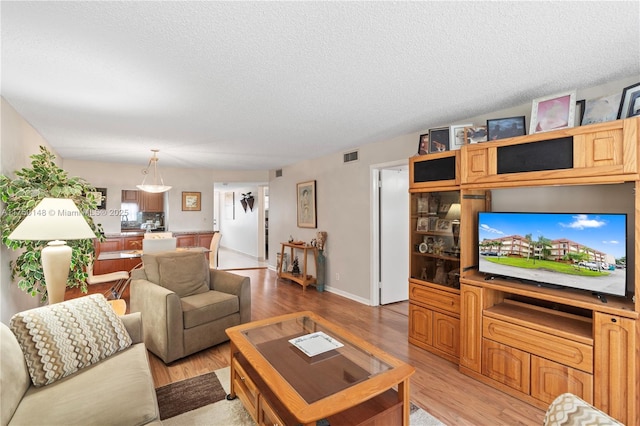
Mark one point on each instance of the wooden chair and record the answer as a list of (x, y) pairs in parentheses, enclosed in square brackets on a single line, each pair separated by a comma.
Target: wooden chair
[(213, 255), (120, 278)]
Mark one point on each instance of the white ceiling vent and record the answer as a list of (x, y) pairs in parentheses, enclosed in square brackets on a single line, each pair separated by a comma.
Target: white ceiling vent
[(349, 157), (279, 173)]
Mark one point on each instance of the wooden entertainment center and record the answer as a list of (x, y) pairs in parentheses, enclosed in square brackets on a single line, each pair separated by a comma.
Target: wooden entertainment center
[(531, 342)]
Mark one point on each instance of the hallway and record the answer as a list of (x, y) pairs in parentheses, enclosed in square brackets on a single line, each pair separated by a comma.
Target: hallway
[(230, 260)]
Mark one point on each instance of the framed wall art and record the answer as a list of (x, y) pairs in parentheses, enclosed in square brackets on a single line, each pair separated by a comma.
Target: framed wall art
[(630, 102), (579, 115), (439, 140), (191, 201), (456, 135), (306, 202), (423, 144), (553, 112), (501, 128), (475, 134), (602, 109), (100, 194)]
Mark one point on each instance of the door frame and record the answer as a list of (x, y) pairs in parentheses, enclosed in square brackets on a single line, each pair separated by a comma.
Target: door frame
[(374, 294)]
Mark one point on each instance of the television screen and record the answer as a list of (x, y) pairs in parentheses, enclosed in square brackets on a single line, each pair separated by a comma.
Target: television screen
[(576, 250)]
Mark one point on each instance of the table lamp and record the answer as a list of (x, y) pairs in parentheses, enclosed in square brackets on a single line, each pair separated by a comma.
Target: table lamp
[(54, 220)]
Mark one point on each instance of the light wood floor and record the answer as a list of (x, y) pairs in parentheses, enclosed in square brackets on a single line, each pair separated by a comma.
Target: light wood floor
[(437, 386)]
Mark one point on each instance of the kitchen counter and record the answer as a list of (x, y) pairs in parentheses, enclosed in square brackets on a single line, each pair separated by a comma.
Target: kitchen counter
[(135, 233)]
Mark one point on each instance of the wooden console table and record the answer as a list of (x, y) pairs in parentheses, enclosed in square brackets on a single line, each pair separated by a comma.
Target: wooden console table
[(303, 279)]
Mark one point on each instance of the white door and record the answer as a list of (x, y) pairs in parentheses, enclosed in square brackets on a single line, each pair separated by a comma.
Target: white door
[(394, 235)]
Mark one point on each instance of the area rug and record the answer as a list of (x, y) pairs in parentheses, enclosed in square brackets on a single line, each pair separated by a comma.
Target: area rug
[(201, 401)]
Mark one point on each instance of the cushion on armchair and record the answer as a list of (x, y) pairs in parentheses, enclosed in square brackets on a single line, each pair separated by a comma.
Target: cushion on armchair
[(184, 273), (61, 339)]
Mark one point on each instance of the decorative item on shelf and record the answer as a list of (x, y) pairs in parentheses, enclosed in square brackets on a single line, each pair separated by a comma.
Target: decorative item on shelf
[(630, 102), (602, 109), (295, 267), (441, 273), (423, 224), (423, 274), (553, 112), (247, 200), (54, 220), (455, 228), (434, 202), (457, 135), (453, 278), (501, 128), (423, 204), (439, 140), (321, 241), (155, 187), (423, 144), (191, 201), (475, 134)]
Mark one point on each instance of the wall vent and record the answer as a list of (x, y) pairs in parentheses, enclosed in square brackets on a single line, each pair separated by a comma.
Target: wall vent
[(279, 173), (350, 156)]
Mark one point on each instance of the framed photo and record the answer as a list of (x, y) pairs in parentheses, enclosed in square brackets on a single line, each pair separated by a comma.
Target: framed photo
[(501, 128), (579, 112), (456, 135), (475, 134), (553, 112), (443, 225), (439, 140), (306, 196), (444, 207), (100, 195), (630, 102), (423, 144), (423, 204), (191, 201), (433, 222), (423, 224), (601, 109)]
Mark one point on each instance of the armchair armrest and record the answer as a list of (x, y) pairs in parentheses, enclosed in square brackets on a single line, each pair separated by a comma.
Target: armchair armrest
[(161, 318), (238, 285), (133, 324)]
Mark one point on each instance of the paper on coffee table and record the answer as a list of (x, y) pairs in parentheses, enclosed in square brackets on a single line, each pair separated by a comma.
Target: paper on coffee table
[(315, 343)]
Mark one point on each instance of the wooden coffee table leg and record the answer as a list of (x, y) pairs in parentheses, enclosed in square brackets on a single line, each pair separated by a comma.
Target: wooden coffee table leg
[(403, 395), (232, 393)]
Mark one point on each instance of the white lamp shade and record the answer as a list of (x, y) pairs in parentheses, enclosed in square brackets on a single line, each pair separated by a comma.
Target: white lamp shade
[(53, 219)]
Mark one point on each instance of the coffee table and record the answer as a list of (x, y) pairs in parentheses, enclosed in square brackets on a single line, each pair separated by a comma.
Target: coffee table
[(350, 382)]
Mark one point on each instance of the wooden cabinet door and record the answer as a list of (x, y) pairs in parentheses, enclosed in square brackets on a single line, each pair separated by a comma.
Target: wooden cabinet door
[(129, 195), (187, 240), (150, 202), (420, 324), (132, 243), (471, 327), (550, 379), (446, 334), (506, 365), (616, 366), (106, 266)]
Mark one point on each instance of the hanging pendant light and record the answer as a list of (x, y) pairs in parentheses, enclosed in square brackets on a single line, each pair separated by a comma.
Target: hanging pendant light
[(155, 187)]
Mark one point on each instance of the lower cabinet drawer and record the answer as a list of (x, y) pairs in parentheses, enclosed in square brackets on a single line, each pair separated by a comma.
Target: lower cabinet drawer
[(507, 365), (438, 299), (266, 414), (245, 389), (550, 379)]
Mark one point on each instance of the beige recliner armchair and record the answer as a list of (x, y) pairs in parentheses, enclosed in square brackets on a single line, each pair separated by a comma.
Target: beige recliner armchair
[(185, 305)]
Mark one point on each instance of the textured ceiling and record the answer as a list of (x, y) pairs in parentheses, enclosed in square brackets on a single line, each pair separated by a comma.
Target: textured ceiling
[(259, 85)]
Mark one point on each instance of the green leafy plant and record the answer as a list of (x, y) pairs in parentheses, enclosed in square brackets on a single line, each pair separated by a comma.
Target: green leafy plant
[(21, 195)]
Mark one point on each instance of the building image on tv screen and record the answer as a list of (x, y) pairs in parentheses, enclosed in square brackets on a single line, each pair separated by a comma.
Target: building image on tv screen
[(583, 251)]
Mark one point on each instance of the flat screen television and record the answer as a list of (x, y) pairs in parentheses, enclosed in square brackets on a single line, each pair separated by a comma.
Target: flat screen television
[(569, 250)]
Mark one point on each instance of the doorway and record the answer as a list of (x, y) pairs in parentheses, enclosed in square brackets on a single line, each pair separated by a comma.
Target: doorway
[(390, 224)]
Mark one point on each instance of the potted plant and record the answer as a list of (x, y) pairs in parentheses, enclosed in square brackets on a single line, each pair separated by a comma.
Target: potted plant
[(21, 195)]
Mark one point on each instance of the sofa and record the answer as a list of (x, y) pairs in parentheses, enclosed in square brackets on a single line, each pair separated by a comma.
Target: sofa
[(186, 306), (75, 363), (569, 410)]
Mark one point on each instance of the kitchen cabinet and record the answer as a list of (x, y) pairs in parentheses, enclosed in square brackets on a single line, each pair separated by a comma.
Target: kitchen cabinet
[(151, 202)]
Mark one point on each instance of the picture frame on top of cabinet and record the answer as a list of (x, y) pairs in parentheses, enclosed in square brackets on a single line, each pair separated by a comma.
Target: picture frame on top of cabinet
[(630, 101), (475, 134), (423, 144), (457, 135), (553, 112), (579, 112), (601, 109), (439, 140), (502, 128)]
